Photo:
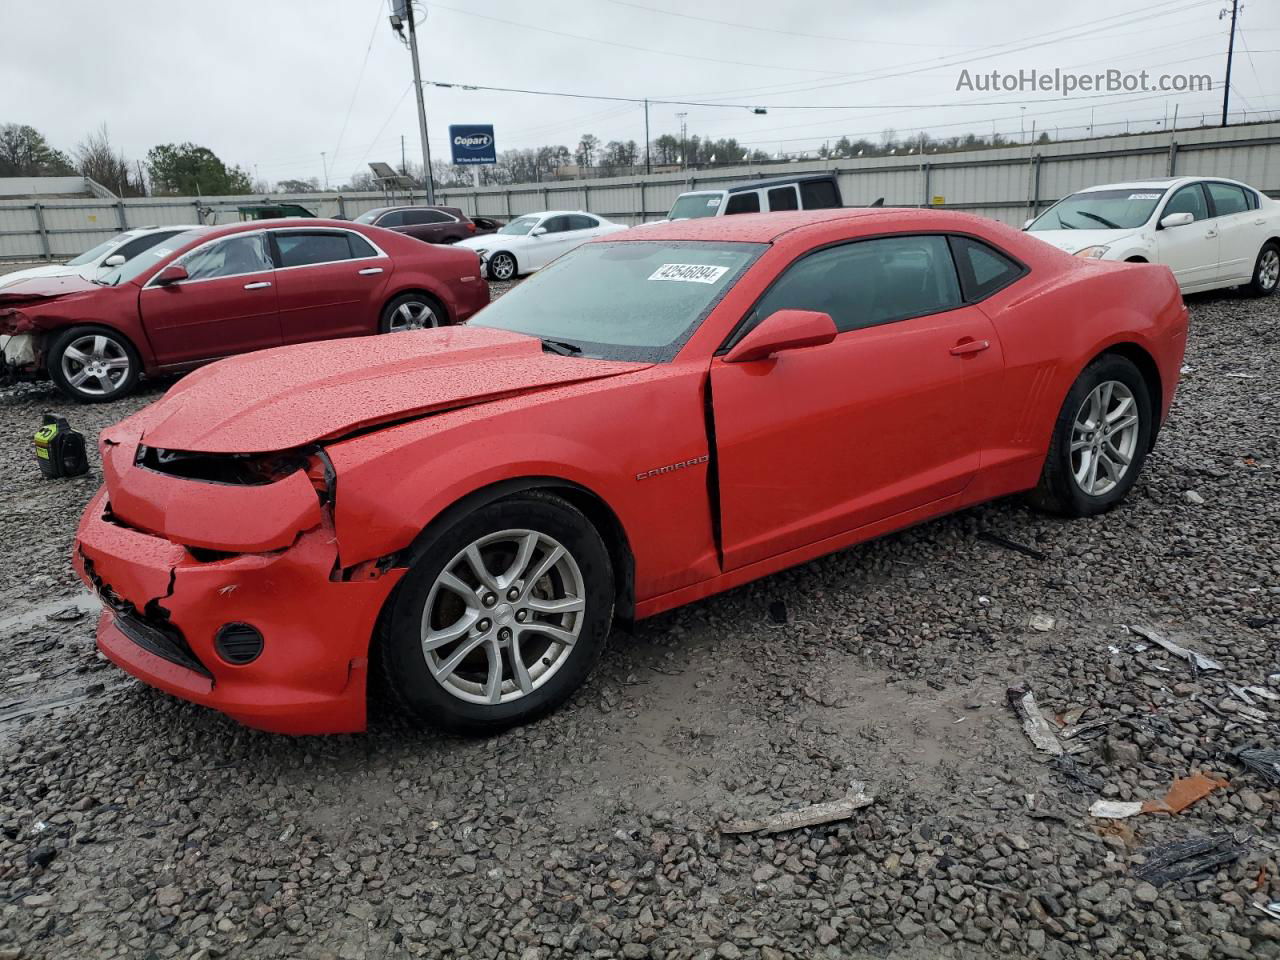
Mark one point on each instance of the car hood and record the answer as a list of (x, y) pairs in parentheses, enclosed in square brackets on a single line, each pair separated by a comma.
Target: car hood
[(31, 273), (486, 241), (1073, 240), (293, 396), (35, 289)]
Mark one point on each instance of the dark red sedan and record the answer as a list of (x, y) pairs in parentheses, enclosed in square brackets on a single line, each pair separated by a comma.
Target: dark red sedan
[(429, 224), (212, 292)]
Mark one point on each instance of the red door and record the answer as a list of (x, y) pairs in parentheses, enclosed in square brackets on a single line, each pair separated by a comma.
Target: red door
[(329, 284), (226, 305), (886, 418)]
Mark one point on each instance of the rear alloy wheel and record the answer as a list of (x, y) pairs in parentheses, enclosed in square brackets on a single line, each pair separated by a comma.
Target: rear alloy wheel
[(1100, 440), (1266, 272), (411, 311), (502, 618), (93, 364), (502, 267)]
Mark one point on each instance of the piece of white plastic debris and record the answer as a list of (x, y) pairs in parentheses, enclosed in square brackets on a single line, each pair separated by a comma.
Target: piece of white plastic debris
[(1034, 725), (810, 816), (1043, 623), (1197, 660), (39, 827), (1241, 694), (1262, 692), (1115, 809)]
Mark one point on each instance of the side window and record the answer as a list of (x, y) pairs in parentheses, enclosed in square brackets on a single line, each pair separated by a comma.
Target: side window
[(360, 247), (1190, 199), (556, 224), (983, 270), (582, 222), (393, 219), (869, 282), (818, 195), (231, 257), (418, 217), (784, 198), (743, 203), (304, 249), (1227, 199)]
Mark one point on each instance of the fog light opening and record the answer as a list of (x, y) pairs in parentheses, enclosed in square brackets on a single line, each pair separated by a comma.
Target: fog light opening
[(238, 643)]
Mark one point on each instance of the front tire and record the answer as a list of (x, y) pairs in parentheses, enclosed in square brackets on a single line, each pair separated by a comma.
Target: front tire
[(503, 267), (411, 311), (1266, 271), (93, 364), (1100, 440), (501, 616)]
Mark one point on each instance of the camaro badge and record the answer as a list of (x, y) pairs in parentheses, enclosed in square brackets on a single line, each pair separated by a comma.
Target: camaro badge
[(657, 471)]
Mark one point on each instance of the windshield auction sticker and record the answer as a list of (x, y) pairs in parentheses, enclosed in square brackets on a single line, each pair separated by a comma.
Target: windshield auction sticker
[(1144, 196), (689, 272)]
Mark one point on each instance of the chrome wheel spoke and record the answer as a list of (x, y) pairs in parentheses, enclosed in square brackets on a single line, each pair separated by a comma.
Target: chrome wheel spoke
[(493, 683), (73, 352), (461, 588), (549, 561), (1104, 437), (523, 681), (434, 639), (565, 605), (558, 634), (525, 553), (446, 668), (476, 562)]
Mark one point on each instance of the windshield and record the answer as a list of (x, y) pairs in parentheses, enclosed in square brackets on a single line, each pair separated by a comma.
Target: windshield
[(622, 301), (694, 205), (100, 250), (1101, 210), (147, 259), (370, 215), (520, 226)]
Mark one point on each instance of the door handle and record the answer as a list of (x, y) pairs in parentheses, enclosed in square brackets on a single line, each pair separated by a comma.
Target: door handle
[(1211, 234), (369, 271), (969, 347), (1260, 222), (260, 285)]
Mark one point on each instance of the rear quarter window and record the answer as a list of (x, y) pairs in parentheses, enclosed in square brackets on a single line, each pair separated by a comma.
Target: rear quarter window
[(982, 268), (818, 195)]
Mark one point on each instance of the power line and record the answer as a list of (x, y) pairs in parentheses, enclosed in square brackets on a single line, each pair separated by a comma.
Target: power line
[(360, 76)]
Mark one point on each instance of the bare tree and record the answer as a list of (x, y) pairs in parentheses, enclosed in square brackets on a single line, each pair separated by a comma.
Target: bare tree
[(98, 160)]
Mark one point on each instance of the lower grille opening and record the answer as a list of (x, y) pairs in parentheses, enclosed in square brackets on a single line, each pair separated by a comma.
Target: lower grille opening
[(163, 639)]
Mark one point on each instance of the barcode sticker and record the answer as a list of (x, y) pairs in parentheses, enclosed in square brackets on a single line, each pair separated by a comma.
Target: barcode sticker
[(689, 272)]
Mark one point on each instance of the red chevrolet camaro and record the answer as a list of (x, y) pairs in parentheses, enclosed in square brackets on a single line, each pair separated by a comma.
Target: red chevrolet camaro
[(656, 417), (211, 292)]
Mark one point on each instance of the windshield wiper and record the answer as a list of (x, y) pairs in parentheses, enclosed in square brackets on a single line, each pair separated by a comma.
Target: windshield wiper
[(1102, 220), (562, 347)]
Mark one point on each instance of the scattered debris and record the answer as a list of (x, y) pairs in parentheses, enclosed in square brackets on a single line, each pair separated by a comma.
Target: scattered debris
[(1262, 692), (1197, 660), (1008, 544), (23, 678), (1182, 793), (1242, 376), (810, 816), (1265, 763), (1193, 498), (67, 614), (1188, 858), (1185, 791), (1043, 623), (1257, 623), (1036, 727), (1073, 771), (1270, 909), (1116, 809), (777, 611)]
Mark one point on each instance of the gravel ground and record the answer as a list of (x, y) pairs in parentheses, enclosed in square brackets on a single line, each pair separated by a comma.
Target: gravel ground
[(132, 824)]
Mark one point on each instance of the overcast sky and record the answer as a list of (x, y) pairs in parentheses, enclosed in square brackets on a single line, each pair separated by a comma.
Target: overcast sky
[(268, 83)]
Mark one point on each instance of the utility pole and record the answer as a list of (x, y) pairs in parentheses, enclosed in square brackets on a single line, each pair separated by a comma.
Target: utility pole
[(422, 109), (325, 165), (404, 167), (684, 140), (1231, 49), (648, 166)]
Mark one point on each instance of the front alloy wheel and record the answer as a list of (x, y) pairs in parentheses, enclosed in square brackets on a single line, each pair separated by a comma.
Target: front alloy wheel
[(93, 364), (501, 615), (502, 267)]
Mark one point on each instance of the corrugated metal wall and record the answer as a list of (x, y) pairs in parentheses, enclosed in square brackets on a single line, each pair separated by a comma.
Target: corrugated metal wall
[(1008, 184)]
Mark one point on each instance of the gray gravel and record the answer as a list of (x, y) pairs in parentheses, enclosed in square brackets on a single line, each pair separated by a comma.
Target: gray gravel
[(132, 824)]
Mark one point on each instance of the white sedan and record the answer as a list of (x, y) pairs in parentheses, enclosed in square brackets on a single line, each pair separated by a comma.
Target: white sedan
[(115, 252), (530, 242), (1209, 231)]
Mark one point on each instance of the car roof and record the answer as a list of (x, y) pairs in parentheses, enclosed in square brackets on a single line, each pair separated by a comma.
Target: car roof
[(768, 227), (1162, 183)]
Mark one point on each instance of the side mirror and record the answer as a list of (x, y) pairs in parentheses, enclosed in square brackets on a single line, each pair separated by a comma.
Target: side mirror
[(537, 231), (1177, 220), (1030, 221), (171, 274), (115, 260), (783, 330)]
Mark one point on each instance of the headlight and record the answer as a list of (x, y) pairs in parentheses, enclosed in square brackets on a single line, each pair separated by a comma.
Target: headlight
[(1093, 253), (481, 252)]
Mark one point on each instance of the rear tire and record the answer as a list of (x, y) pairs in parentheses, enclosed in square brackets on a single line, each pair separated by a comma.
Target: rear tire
[(93, 364), (1266, 271), (1100, 441), (478, 651), (412, 311)]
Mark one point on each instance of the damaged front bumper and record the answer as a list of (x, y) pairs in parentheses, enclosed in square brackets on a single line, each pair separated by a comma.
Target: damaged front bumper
[(164, 604)]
